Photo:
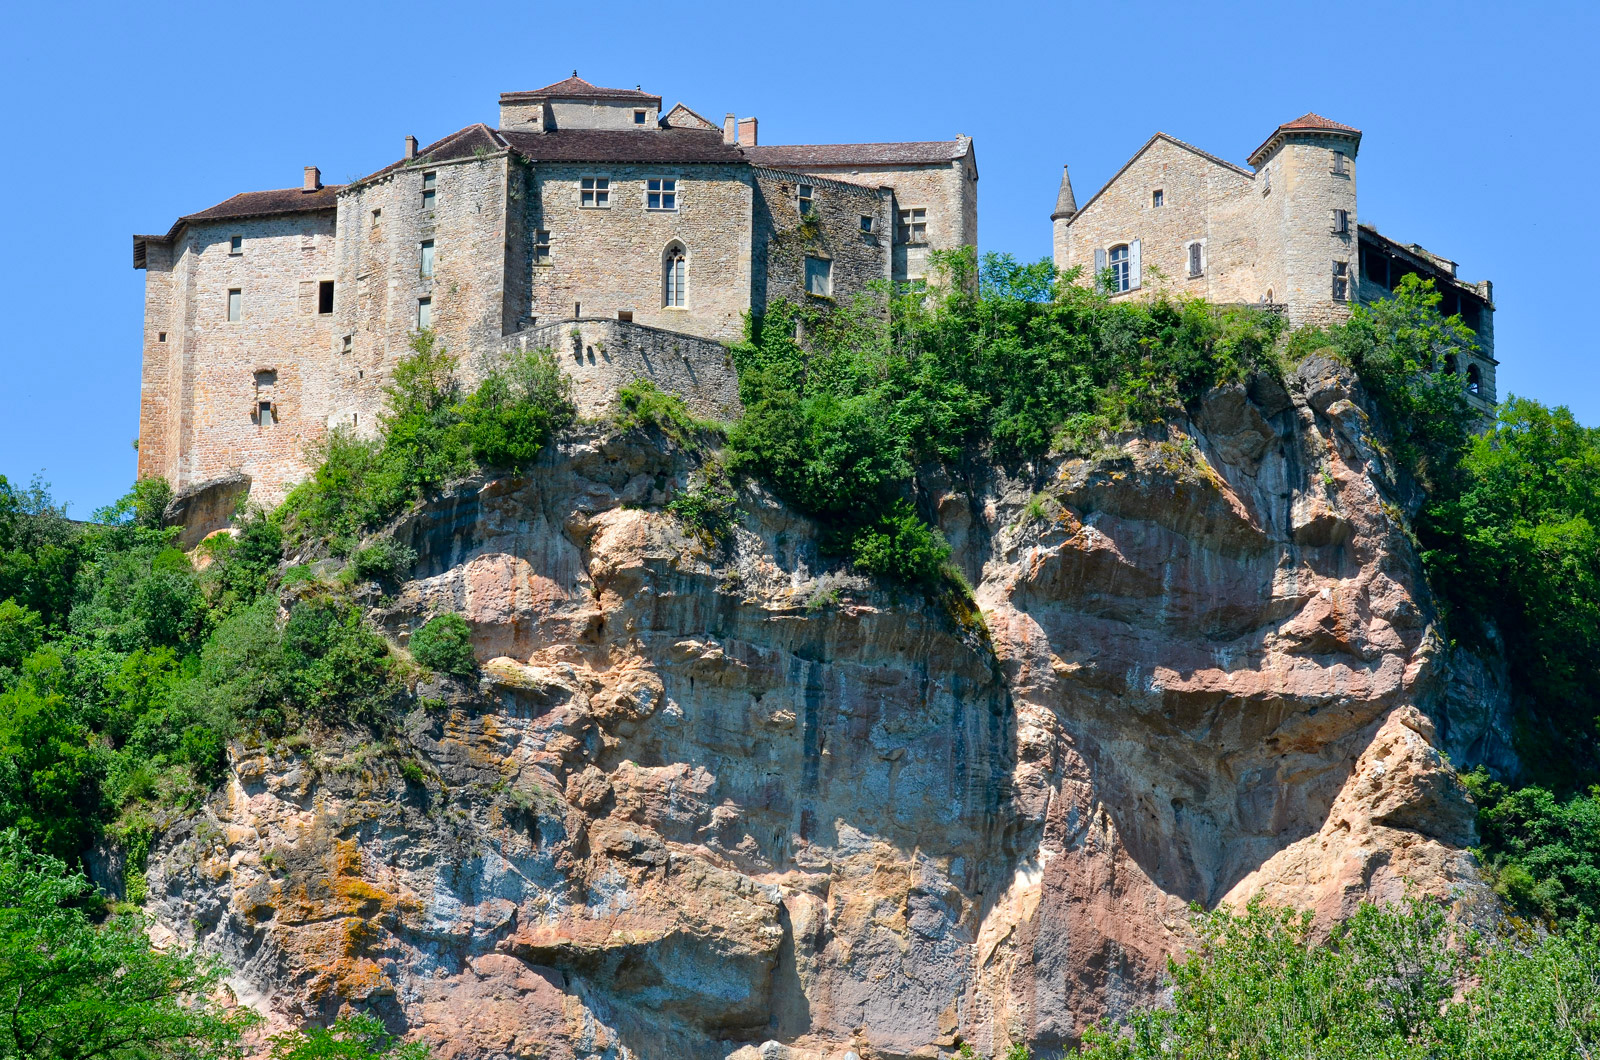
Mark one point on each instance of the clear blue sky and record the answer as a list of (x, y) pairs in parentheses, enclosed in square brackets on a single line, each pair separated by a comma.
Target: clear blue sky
[(1479, 123)]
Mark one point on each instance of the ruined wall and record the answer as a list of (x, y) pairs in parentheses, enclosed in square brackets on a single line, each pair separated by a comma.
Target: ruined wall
[(602, 356), (608, 260), (833, 231)]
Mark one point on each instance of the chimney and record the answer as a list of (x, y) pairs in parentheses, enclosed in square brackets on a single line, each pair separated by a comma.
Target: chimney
[(730, 130), (747, 132), (313, 180), (411, 148)]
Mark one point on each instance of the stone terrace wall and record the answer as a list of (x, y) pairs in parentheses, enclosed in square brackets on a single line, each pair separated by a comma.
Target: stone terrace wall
[(609, 354)]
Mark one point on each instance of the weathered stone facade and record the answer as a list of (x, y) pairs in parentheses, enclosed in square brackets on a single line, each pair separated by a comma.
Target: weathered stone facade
[(584, 206), (1284, 232)]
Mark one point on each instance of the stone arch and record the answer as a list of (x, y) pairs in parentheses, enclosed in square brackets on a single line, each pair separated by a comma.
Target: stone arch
[(1474, 379)]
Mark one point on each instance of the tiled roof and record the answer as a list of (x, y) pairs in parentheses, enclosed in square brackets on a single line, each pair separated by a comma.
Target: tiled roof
[(903, 154), (463, 143), (1305, 123), (623, 145), (265, 203), (576, 87)]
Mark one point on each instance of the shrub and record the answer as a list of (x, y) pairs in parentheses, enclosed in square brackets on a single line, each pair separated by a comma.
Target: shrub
[(902, 548), (707, 506), (21, 633), (383, 557), (517, 408), (336, 666), (357, 1037), (444, 643), (641, 404)]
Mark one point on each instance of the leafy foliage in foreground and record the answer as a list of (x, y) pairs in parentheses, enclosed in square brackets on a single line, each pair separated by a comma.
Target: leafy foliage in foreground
[(1020, 360), (1397, 982)]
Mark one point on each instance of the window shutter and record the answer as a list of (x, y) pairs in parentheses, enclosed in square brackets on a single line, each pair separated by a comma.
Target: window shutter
[(1099, 260), (1133, 265)]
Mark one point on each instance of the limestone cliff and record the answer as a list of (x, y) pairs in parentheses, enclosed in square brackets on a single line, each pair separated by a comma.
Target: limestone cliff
[(716, 798)]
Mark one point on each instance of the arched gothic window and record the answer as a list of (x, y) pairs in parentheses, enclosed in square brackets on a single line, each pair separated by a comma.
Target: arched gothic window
[(1474, 380), (675, 276), (1120, 272)]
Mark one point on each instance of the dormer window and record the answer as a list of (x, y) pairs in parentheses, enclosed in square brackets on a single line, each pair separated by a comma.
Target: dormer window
[(1157, 198)]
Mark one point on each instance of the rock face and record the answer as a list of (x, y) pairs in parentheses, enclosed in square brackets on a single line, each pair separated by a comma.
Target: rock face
[(724, 798)]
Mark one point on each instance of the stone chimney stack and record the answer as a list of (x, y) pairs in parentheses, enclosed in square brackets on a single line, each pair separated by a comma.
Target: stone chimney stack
[(730, 130), (313, 181), (411, 148), (747, 132)]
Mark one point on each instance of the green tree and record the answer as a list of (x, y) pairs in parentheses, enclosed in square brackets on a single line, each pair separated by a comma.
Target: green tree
[(76, 990)]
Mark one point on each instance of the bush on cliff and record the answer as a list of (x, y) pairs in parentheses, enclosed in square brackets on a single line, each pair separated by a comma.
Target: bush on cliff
[(430, 434), (444, 643), (841, 406)]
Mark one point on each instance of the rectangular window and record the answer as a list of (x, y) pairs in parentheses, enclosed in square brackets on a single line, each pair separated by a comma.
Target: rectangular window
[(804, 199), (425, 265), (661, 193), (1341, 281), (325, 297), (161, 336), (541, 247), (1339, 164), (625, 316), (236, 244), (866, 222), (424, 313), (349, 344), (638, 117), (914, 225), (264, 413), (235, 304), (1157, 197), (1341, 222), (594, 192), (819, 277), (1196, 266), (377, 216), (430, 185)]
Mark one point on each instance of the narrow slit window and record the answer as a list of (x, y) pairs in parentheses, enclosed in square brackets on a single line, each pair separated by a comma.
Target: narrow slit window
[(541, 247), (675, 278), (424, 313), (661, 193), (1195, 262), (594, 192), (1341, 281), (804, 197), (235, 304), (264, 413), (425, 264), (325, 297), (430, 188)]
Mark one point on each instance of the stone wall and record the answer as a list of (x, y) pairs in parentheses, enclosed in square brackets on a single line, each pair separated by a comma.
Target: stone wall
[(380, 271), (213, 372), (605, 355), (834, 232), (611, 260), (1308, 191)]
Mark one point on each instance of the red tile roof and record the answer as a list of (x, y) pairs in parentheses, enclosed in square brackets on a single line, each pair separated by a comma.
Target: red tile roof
[(576, 87), (1305, 123), (266, 203), (903, 154)]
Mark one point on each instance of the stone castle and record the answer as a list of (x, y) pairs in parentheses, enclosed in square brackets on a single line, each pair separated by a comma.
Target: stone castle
[(634, 241)]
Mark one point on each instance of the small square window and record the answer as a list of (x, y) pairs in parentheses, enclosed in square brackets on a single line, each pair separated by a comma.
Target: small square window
[(819, 277), (325, 297), (866, 222), (425, 262), (161, 336), (235, 304), (594, 192), (1157, 197), (424, 313), (638, 117), (236, 244), (804, 199), (914, 225), (661, 193), (541, 247)]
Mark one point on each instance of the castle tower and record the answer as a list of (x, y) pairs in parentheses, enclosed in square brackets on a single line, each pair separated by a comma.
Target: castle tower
[(1066, 208), (1306, 183)]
